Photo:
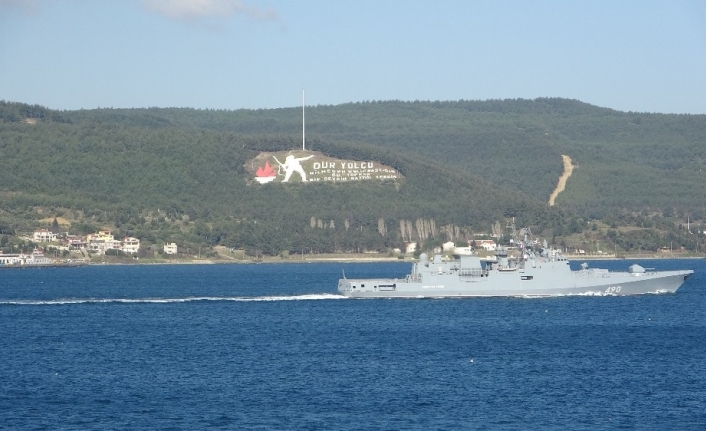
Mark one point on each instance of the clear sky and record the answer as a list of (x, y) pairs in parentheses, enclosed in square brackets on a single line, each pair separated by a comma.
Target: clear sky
[(643, 55)]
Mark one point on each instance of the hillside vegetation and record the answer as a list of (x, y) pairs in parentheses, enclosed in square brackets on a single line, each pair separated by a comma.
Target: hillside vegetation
[(166, 174), (628, 161)]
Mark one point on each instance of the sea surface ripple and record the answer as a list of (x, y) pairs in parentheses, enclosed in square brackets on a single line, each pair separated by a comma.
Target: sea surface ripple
[(272, 346)]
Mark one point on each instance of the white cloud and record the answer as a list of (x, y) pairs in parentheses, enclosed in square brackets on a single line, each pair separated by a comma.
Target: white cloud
[(194, 9), (28, 6)]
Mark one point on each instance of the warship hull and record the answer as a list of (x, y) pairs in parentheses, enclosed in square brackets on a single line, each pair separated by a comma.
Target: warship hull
[(465, 277)]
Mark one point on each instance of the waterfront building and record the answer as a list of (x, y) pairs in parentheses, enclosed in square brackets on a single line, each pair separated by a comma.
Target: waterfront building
[(43, 235), (130, 245)]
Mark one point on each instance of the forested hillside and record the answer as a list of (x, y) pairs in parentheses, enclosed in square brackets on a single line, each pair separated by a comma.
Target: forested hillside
[(164, 182), (628, 161), (165, 173)]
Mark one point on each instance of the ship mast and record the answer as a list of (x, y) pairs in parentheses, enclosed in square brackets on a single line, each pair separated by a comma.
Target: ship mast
[(303, 125)]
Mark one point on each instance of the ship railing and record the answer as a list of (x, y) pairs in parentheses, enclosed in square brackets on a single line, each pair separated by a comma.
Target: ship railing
[(591, 274)]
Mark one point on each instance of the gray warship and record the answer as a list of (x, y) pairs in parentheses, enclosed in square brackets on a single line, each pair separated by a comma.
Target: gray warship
[(545, 273)]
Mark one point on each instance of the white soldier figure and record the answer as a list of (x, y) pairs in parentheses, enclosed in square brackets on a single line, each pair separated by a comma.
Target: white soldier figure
[(292, 165)]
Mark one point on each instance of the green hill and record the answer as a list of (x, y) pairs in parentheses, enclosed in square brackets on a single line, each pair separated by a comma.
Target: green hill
[(627, 161), (146, 175), (165, 173)]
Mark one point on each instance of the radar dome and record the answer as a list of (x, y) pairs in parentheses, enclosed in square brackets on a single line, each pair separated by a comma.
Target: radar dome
[(636, 269)]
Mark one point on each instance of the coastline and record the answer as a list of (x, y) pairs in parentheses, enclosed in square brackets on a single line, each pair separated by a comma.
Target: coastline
[(352, 259), (275, 260)]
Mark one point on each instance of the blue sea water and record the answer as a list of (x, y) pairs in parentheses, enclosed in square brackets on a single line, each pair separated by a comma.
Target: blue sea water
[(271, 346)]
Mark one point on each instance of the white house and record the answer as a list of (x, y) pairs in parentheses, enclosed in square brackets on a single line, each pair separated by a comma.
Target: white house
[(97, 246), (170, 248), (104, 240), (104, 235), (130, 245), (43, 235), (486, 244), (411, 247), (463, 251), (74, 242), (450, 247)]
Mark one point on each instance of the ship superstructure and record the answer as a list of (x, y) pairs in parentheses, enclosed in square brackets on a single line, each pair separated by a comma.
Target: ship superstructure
[(543, 273)]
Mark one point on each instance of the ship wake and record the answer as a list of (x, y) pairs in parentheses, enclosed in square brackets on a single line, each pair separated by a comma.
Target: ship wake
[(71, 301)]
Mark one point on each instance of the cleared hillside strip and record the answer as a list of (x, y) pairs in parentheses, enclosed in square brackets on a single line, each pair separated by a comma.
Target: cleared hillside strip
[(568, 169)]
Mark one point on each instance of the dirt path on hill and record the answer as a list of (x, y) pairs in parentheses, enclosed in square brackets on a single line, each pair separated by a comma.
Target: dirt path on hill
[(568, 169)]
